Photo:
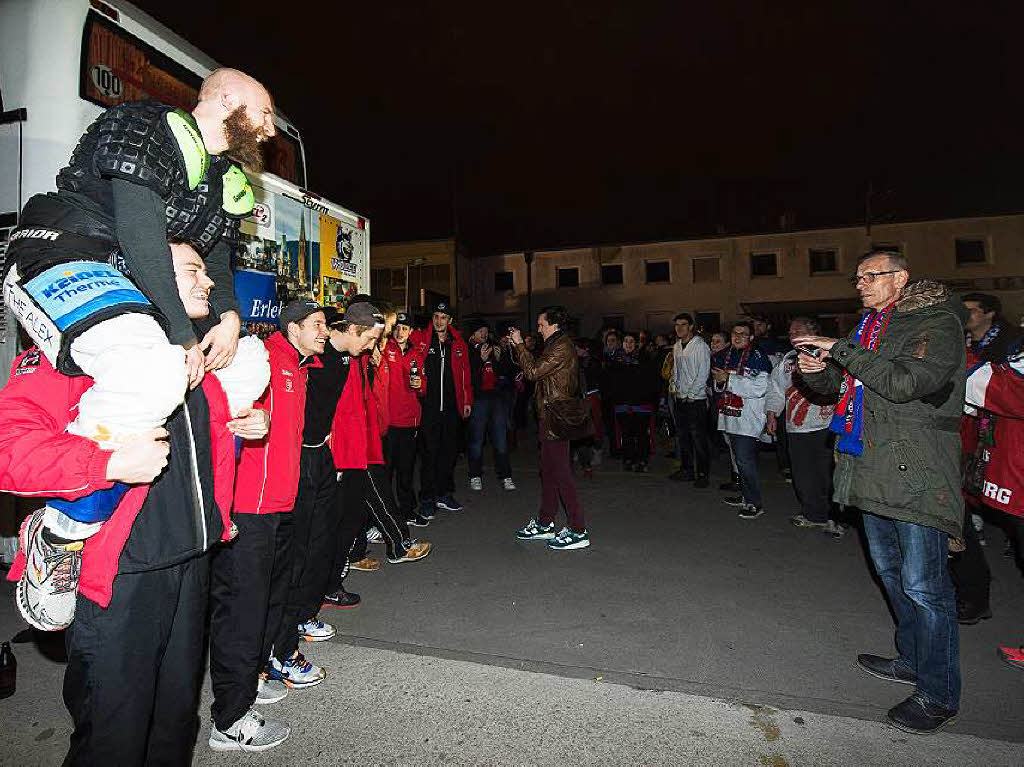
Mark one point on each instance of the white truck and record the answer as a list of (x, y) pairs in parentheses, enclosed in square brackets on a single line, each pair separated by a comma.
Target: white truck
[(63, 61)]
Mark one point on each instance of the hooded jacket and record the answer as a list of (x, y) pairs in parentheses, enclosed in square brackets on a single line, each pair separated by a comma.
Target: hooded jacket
[(403, 404), (178, 517), (913, 396), (456, 364)]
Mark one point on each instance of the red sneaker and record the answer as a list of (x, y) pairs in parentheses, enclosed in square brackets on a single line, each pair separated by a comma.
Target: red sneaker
[(1014, 656)]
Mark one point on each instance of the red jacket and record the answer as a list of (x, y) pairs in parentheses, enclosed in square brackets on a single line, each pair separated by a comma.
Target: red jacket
[(355, 431), (421, 339), (403, 404), (999, 389), (39, 459), (268, 472)]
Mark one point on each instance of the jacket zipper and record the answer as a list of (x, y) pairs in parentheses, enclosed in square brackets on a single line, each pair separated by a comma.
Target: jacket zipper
[(197, 486), (440, 378)]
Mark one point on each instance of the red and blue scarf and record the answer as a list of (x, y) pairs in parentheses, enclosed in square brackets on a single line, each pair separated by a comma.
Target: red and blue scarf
[(848, 421)]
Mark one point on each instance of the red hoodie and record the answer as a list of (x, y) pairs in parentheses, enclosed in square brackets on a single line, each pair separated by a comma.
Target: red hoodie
[(38, 458), (421, 339), (268, 473)]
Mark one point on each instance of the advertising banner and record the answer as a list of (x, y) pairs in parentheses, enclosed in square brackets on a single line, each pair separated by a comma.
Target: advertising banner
[(257, 295), (341, 246)]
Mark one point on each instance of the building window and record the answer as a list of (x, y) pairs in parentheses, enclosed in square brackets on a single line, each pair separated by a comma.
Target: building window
[(708, 322), (657, 271), (764, 264), (568, 277), (503, 281), (707, 269), (611, 274), (824, 260), (970, 251)]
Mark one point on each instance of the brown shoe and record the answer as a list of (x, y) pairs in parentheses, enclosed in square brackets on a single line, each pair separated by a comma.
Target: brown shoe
[(418, 550), (366, 564)]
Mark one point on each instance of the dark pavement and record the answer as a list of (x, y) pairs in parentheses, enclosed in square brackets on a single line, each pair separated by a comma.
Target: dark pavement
[(675, 593)]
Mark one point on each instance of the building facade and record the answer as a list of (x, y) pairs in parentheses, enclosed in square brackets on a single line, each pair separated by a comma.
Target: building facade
[(718, 279), (414, 275)]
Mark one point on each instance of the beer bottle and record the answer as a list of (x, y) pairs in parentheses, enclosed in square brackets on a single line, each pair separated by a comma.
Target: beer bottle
[(8, 671)]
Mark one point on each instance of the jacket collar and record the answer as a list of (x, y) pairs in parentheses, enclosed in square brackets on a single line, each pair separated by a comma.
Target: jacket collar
[(554, 337)]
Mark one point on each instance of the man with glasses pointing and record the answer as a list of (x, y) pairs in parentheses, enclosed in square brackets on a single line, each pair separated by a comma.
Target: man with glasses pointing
[(900, 378)]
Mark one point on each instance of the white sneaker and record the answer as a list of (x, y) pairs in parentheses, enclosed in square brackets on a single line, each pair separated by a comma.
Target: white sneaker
[(253, 732), (373, 535), (270, 691), (48, 588), (315, 630), (8, 549), (296, 672), (508, 484), (476, 483)]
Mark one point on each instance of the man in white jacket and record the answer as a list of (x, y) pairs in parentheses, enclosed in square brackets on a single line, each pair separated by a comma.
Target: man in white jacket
[(691, 364), (807, 416), (741, 379)]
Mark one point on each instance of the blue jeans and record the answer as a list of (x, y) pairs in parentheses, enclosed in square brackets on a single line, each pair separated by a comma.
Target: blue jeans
[(911, 561), (490, 415), (745, 450)]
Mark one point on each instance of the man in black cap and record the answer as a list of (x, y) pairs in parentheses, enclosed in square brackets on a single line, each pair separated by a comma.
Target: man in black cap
[(448, 396)]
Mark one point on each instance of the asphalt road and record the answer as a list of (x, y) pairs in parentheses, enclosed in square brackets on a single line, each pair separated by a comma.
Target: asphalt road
[(683, 635)]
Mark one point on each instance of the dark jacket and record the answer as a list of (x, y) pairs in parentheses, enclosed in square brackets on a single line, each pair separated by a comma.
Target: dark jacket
[(445, 370), (633, 381), (555, 371), (504, 370), (913, 397)]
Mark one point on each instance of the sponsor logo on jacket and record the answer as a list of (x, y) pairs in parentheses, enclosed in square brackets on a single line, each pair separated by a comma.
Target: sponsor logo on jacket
[(998, 494)]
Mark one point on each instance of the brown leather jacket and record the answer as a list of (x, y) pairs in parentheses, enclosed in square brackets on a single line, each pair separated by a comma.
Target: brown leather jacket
[(556, 371)]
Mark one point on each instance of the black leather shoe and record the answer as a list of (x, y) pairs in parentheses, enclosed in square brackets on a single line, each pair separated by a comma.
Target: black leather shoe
[(342, 598), (920, 717), (681, 476), (888, 669)]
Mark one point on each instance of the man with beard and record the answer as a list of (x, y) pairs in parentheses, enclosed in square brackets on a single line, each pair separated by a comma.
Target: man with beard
[(90, 278)]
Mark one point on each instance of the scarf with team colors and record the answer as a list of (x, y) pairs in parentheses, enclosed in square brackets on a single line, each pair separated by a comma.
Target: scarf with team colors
[(848, 422)]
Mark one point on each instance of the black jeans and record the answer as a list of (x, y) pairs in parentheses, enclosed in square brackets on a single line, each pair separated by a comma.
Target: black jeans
[(969, 569), (810, 454), (249, 582), (439, 441), (134, 669), (314, 532), (636, 436), (691, 420), (400, 458)]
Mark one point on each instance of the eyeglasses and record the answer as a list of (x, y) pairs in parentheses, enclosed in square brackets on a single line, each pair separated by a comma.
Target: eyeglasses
[(870, 277)]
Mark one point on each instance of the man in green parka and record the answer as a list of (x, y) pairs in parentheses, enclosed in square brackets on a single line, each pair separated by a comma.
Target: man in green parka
[(900, 377)]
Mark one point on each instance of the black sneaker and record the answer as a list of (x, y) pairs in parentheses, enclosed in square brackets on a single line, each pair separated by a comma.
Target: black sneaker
[(750, 511), (640, 468), (428, 508), (448, 503), (680, 476), (701, 482), (734, 500), (920, 717), (342, 599), (417, 520), (888, 669)]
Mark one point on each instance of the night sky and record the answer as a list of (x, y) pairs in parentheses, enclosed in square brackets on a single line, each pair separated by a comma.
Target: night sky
[(579, 123)]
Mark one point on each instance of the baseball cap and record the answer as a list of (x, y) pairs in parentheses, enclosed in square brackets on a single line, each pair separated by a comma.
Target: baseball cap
[(403, 318), (297, 311), (364, 313), (442, 306)]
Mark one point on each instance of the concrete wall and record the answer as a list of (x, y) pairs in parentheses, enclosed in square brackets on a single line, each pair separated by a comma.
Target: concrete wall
[(930, 247)]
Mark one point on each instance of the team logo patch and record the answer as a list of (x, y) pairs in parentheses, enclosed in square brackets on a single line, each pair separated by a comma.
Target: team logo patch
[(71, 292), (29, 363)]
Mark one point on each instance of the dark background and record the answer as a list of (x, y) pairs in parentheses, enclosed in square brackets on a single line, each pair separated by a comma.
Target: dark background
[(537, 125)]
